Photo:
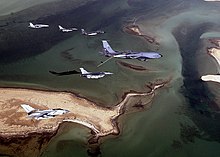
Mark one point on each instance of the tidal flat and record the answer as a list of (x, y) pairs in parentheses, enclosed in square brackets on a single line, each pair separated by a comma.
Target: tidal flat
[(183, 119)]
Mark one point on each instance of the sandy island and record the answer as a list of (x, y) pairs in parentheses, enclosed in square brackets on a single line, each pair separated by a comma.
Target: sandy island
[(14, 121), (215, 53), (134, 29)]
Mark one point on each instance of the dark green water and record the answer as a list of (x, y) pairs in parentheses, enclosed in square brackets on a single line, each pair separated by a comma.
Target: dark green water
[(173, 127)]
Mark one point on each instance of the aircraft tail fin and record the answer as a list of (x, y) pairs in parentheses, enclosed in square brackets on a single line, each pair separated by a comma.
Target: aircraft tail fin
[(107, 48), (83, 71), (60, 27), (31, 25), (27, 108), (83, 31)]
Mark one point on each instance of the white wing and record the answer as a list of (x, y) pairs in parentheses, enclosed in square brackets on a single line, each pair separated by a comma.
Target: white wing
[(27, 108)]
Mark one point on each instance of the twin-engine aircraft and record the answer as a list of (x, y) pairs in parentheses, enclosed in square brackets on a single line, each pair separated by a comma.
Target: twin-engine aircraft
[(67, 29), (43, 114), (31, 25)]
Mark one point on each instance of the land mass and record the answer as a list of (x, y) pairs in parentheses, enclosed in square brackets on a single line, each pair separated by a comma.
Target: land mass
[(215, 53), (134, 29), (14, 121)]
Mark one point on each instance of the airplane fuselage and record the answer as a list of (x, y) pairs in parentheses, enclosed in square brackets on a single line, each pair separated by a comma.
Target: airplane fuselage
[(91, 34), (96, 75), (139, 55), (44, 114), (68, 30), (109, 52), (39, 26)]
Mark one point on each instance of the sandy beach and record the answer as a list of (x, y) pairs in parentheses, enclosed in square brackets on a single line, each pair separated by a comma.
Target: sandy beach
[(215, 53), (16, 125), (15, 121)]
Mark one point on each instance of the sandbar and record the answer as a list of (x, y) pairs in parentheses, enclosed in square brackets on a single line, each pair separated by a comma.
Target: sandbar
[(215, 53), (13, 119), (101, 120), (27, 136), (132, 66), (134, 29)]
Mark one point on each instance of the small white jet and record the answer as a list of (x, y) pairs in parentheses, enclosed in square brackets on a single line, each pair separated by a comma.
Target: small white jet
[(93, 75), (92, 33), (67, 29), (31, 25), (43, 114)]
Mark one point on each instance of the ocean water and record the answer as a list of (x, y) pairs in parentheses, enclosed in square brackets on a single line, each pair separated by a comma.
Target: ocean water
[(181, 121)]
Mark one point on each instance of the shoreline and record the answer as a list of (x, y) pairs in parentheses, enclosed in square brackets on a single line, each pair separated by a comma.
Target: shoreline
[(134, 29), (102, 121), (214, 52)]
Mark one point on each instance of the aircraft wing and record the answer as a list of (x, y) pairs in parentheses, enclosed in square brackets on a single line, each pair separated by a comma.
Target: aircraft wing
[(27, 108), (65, 73)]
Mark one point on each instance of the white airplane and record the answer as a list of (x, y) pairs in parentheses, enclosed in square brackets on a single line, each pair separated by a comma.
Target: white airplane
[(143, 56), (67, 29), (92, 33), (31, 25), (43, 114), (93, 75)]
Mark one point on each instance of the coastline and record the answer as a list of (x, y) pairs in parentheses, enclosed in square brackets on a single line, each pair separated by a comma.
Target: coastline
[(101, 121), (134, 29), (215, 53)]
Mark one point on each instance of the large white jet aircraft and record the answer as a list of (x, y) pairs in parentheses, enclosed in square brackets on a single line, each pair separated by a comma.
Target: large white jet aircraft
[(93, 75), (143, 56), (31, 25), (43, 114), (67, 29)]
